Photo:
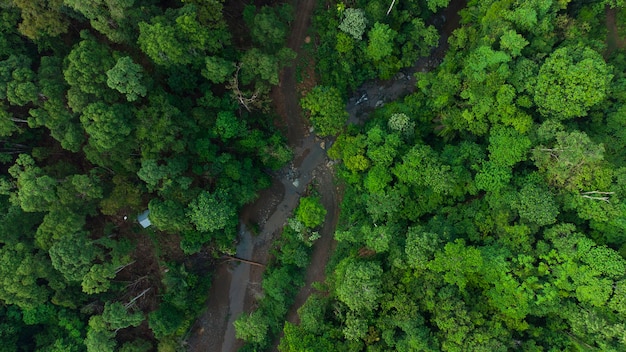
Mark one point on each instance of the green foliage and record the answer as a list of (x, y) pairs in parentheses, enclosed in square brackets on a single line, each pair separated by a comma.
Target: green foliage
[(73, 256), (269, 26), (433, 5), (465, 224), (401, 123), (571, 161), (96, 126), (166, 320), (99, 337), (359, 285), (217, 70), (281, 281), (85, 71), (570, 82), (123, 196), (117, 20), (228, 126), (327, 111), (420, 167), (507, 147), (42, 18), (252, 328), (494, 225), (168, 215), (118, 316), (107, 125), (21, 268), (17, 84), (312, 313), (257, 65), (420, 247), (310, 212), (212, 211), (354, 22), (381, 40), (536, 204), (178, 38), (126, 77), (513, 42)]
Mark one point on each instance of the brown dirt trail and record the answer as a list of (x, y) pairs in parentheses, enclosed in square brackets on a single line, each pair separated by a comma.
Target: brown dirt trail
[(236, 286), (614, 41)]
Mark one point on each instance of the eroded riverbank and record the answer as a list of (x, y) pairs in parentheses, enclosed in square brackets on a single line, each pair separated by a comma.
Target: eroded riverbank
[(236, 285)]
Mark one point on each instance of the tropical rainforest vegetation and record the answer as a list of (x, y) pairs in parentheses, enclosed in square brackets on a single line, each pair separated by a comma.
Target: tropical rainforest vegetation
[(485, 211), (109, 108), (482, 212)]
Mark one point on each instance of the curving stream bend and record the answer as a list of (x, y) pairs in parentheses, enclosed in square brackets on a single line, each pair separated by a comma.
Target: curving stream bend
[(236, 285)]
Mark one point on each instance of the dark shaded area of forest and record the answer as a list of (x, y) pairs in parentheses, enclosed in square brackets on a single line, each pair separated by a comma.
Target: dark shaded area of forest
[(109, 108)]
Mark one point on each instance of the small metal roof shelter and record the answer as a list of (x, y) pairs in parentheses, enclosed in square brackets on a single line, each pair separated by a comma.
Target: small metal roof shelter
[(143, 219)]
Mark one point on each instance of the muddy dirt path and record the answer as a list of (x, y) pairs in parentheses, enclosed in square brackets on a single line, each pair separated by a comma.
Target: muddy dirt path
[(614, 41), (378, 93), (236, 286)]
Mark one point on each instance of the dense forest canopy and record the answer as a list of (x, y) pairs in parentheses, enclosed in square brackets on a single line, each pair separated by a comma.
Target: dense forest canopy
[(485, 211), (109, 108)]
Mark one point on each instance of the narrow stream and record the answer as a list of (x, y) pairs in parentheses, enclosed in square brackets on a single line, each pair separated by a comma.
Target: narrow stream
[(239, 274), (214, 331), (375, 93), (294, 180)]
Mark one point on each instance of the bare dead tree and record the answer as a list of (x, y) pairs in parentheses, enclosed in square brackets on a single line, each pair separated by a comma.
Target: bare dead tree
[(229, 258), (246, 99), (241, 98), (132, 301), (597, 195), (132, 285), (390, 7), (120, 268)]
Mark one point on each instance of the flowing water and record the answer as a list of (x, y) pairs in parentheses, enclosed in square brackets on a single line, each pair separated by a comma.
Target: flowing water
[(235, 284)]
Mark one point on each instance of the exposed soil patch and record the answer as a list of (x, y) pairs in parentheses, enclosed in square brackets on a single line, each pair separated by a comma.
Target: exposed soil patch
[(142, 277), (382, 92), (614, 41), (236, 286), (285, 98), (256, 214), (323, 247), (305, 71)]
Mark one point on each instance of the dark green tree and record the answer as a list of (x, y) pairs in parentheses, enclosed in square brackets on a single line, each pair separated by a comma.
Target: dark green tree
[(327, 110), (126, 77)]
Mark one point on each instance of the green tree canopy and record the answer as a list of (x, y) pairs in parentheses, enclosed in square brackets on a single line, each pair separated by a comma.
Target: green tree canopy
[(252, 328), (178, 38), (571, 81), (381, 41), (359, 284), (107, 125), (311, 212), (73, 255), (354, 22), (41, 18), (126, 77), (327, 109), (85, 71), (212, 211)]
